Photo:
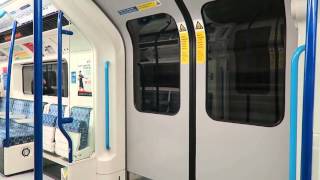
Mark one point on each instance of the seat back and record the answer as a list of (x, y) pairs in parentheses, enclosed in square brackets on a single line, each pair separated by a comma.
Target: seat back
[(50, 118), (80, 124), (20, 107), (3, 104)]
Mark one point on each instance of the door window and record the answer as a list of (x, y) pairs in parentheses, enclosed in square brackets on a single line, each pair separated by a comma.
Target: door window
[(245, 61), (156, 64)]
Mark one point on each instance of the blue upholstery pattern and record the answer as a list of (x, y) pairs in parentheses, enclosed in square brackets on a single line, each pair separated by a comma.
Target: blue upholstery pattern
[(23, 107), (53, 109), (19, 133), (80, 124), (51, 118), (3, 104)]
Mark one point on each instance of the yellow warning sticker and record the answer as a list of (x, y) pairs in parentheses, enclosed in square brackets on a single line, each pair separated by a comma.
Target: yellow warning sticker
[(148, 5), (201, 43), (184, 43)]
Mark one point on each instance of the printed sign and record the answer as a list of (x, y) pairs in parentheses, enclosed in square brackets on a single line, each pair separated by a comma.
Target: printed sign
[(20, 52), (84, 79), (200, 42), (184, 43), (140, 7), (29, 46), (74, 77), (148, 5)]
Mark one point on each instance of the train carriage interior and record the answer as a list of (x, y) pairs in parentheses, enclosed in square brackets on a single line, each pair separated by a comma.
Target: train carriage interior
[(159, 90)]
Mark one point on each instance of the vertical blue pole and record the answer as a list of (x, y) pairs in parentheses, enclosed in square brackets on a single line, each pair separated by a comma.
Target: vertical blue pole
[(106, 69), (293, 112), (61, 119), (13, 38), (308, 94), (38, 90), (59, 70)]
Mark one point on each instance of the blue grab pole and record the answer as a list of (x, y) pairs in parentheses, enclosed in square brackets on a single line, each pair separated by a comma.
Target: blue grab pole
[(106, 67), (62, 120), (2, 13), (308, 94), (10, 59), (38, 90), (293, 111)]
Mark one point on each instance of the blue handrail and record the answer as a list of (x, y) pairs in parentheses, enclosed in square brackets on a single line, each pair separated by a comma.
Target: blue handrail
[(2, 13), (61, 119), (308, 91), (293, 111), (106, 67), (10, 59), (38, 90)]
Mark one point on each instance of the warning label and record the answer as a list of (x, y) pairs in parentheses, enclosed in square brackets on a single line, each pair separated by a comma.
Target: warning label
[(140, 7), (184, 43), (201, 42), (148, 5)]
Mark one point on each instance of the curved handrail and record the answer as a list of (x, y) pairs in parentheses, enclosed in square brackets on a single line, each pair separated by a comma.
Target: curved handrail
[(293, 111), (62, 120), (308, 91), (10, 59)]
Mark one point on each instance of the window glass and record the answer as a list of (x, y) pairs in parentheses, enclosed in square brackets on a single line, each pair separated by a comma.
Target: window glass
[(245, 61), (156, 64), (49, 79)]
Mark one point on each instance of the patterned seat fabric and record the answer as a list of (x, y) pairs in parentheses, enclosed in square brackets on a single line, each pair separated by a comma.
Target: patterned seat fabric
[(3, 104), (22, 107), (51, 118), (80, 124), (19, 133)]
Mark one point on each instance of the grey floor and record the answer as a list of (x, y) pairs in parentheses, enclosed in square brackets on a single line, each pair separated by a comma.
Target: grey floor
[(24, 176)]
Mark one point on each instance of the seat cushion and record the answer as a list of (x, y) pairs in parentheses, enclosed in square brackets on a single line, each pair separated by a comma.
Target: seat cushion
[(81, 121), (61, 143), (49, 128), (19, 133)]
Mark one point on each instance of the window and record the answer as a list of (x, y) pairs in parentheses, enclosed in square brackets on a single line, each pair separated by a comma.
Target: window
[(156, 64), (49, 79), (245, 61)]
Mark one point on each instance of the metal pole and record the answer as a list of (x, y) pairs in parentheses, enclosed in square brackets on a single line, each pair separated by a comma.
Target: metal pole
[(294, 111), (38, 90), (10, 59), (308, 92), (61, 119)]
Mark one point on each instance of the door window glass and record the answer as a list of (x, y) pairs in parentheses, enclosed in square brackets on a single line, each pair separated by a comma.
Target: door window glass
[(245, 61), (156, 64)]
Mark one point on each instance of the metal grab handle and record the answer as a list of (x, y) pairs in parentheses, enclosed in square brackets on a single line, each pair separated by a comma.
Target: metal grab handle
[(293, 111), (308, 91), (13, 38), (106, 71), (62, 120), (38, 90)]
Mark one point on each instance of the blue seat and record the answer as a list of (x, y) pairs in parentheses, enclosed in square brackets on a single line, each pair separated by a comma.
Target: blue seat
[(19, 133), (3, 104), (50, 119), (22, 107), (80, 124)]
